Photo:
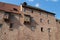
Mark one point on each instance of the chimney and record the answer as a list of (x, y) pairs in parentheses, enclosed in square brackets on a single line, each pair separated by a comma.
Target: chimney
[(24, 4), (21, 7)]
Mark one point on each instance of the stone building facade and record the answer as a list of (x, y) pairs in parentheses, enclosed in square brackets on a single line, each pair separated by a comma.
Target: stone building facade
[(25, 22), (58, 29)]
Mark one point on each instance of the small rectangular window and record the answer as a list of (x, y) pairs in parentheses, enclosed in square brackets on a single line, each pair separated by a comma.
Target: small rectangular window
[(27, 19), (33, 28), (41, 20), (0, 25), (32, 20), (31, 11), (11, 25), (41, 29), (48, 22), (6, 15)]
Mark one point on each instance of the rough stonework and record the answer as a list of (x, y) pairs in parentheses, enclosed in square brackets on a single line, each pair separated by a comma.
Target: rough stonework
[(29, 23)]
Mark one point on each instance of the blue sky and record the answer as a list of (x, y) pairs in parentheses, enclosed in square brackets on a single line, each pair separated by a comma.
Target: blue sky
[(48, 5)]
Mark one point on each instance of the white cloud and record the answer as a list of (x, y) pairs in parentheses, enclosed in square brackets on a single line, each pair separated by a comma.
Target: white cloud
[(37, 5), (30, 0)]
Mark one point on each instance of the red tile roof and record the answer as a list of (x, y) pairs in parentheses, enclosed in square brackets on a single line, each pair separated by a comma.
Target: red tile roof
[(15, 9), (9, 7)]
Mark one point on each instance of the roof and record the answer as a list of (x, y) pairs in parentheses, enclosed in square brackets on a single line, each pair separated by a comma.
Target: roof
[(15, 8), (57, 20), (9, 7), (35, 8)]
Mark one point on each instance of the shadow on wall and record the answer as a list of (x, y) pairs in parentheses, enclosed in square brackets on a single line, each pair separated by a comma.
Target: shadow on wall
[(15, 19), (32, 25)]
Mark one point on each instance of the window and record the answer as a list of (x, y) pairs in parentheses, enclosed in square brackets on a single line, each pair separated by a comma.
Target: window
[(32, 20), (27, 19), (48, 22), (33, 28), (15, 9), (0, 25), (6, 15), (40, 13), (41, 20), (11, 25), (48, 29), (31, 11), (41, 29)]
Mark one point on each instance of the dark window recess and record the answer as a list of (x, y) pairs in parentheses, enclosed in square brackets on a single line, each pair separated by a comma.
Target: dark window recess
[(59, 22), (0, 25), (56, 20), (31, 11), (20, 15), (15, 9), (26, 23), (41, 29), (41, 20), (11, 25)]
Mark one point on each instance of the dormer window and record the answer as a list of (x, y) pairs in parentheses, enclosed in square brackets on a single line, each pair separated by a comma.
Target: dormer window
[(15, 9)]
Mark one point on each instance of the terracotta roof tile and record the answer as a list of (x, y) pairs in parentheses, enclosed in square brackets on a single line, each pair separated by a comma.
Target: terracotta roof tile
[(9, 7), (15, 9)]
